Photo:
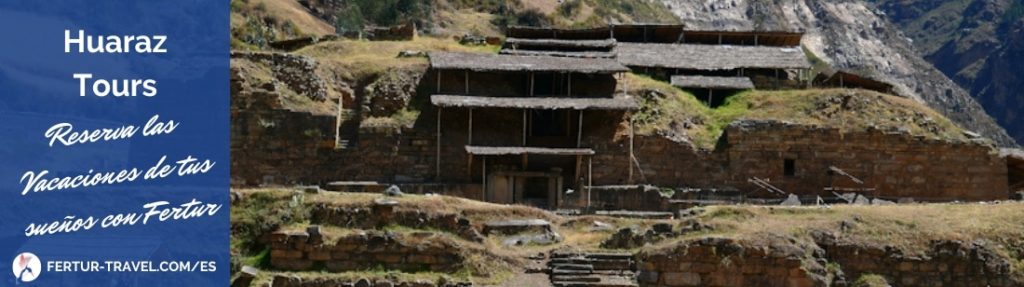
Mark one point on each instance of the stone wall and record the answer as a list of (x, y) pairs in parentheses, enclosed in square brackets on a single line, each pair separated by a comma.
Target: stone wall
[(384, 214), (274, 145), (826, 262), (724, 262), (947, 263), (298, 281), (895, 165), (362, 250)]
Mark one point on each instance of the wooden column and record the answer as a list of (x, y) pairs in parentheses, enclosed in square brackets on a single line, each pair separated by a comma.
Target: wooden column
[(438, 157), (483, 162), (524, 127), (568, 85), (579, 131), (469, 141), (711, 96), (439, 81), (579, 170), (631, 148), (590, 178), (777, 85), (531, 84), (467, 82)]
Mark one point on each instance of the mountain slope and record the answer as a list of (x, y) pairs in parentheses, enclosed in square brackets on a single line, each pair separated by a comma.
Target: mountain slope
[(849, 34), (977, 43)]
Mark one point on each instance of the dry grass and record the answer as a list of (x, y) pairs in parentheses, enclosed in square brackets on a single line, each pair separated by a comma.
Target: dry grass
[(911, 228), (258, 74), (675, 112), (466, 21), (355, 59), (293, 11), (476, 211)]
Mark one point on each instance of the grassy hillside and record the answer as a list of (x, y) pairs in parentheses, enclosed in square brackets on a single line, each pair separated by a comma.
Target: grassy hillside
[(669, 110), (254, 23), (913, 229), (910, 228)]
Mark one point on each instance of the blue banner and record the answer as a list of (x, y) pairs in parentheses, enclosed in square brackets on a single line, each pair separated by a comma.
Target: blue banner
[(114, 143)]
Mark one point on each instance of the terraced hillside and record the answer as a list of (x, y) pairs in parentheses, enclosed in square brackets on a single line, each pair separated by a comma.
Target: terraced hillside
[(307, 236)]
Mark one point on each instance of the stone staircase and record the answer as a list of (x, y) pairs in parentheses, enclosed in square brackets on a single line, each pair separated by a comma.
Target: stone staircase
[(567, 269)]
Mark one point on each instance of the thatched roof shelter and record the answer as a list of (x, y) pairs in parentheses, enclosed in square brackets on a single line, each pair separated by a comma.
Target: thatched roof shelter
[(484, 150), (845, 79), (558, 33), (755, 38), (511, 63), (662, 33), (710, 57), (580, 54), (709, 82), (559, 44), (534, 103)]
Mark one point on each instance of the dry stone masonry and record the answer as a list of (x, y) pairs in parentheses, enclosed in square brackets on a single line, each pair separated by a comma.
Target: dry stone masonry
[(362, 250)]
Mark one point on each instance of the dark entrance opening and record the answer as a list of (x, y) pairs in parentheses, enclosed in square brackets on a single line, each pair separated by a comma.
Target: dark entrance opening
[(789, 167), (535, 191), (547, 84), (550, 123), (713, 97)]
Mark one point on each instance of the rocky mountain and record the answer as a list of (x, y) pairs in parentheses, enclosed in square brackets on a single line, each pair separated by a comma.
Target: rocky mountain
[(977, 43), (852, 35)]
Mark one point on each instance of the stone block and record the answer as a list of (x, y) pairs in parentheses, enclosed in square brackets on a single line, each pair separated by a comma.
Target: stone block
[(285, 254), (681, 279)]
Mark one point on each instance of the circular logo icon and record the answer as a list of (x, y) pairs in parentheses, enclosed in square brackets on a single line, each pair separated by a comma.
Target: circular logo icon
[(26, 267)]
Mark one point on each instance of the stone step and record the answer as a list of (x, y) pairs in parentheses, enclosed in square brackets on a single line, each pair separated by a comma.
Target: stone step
[(610, 256), (611, 265), (576, 278), (605, 256), (599, 265), (626, 273), (587, 267), (609, 282), (570, 271), (587, 259)]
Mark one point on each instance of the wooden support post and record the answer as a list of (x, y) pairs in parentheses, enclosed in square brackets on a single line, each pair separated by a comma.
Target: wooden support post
[(590, 178), (631, 156), (467, 82), (777, 85), (438, 143), (470, 140), (579, 131), (711, 97), (439, 81), (526, 162), (483, 176), (569, 85), (524, 127), (755, 40), (579, 170), (531, 84), (719, 38), (625, 84), (841, 84)]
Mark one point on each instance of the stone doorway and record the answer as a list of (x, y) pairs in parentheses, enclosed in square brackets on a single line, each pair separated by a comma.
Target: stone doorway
[(538, 189)]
